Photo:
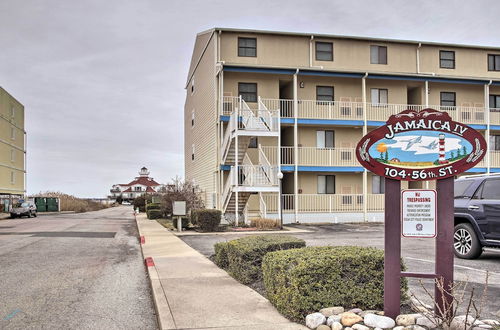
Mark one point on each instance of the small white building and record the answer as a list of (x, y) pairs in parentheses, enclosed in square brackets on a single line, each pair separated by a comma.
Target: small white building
[(140, 185)]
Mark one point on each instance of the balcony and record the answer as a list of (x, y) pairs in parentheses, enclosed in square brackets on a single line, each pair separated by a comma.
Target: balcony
[(324, 203), (311, 156)]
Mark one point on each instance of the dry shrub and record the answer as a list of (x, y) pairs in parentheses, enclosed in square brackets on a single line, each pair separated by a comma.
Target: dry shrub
[(262, 223), (72, 203)]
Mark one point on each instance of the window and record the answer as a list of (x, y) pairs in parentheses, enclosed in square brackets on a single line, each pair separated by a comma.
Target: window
[(12, 133), (247, 47), (12, 177), (12, 111), (324, 51), (378, 184), (379, 96), (324, 93), (493, 62), (138, 189), (378, 55), (12, 155), (254, 142), (326, 184), (325, 139), (192, 152), (494, 101), (490, 189), (448, 99), (447, 59), (495, 142), (248, 91), (461, 187), (192, 86), (192, 118)]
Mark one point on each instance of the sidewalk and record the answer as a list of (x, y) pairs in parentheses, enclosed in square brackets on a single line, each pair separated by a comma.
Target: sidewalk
[(190, 292)]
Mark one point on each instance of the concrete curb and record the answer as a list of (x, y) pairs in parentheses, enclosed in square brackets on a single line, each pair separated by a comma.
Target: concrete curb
[(159, 298), (286, 231)]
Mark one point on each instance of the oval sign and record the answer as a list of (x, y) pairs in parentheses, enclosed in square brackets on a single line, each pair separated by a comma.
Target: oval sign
[(418, 146)]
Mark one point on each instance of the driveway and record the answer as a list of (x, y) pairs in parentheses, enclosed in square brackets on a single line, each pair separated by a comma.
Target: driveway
[(418, 254), (76, 271)]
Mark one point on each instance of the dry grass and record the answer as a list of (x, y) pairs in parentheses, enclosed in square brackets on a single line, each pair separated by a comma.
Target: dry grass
[(72, 203), (262, 223)]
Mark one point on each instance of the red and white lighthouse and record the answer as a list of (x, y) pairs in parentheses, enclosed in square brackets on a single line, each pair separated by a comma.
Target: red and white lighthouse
[(442, 151)]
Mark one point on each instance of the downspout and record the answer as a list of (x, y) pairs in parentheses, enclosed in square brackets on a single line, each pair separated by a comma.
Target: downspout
[(311, 55), (365, 131), (418, 62), (488, 123)]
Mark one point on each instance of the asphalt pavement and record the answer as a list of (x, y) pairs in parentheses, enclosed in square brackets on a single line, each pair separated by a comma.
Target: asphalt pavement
[(418, 254), (74, 271)]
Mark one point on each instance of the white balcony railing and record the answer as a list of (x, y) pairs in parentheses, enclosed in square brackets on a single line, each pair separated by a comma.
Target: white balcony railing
[(324, 203), (338, 110), (312, 156), (257, 175), (495, 158)]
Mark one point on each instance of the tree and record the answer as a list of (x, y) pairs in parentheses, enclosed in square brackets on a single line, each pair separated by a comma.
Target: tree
[(464, 151), (119, 199), (459, 153), (180, 190), (452, 155)]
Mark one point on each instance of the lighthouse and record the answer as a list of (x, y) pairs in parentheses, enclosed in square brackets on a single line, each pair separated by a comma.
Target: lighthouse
[(442, 151)]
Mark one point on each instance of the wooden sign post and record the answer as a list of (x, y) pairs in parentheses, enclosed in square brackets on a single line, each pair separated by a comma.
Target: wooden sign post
[(419, 146)]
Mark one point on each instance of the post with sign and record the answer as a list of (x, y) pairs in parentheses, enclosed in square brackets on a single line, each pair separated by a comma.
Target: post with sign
[(419, 146), (179, 210)]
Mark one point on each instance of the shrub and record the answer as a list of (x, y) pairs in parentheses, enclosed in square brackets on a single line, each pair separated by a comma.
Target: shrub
[(152, 206), (220, 257), (244, 255), (194, 217), (184, 222), (261, 223), (154, 214), (302, 281), (208, 219), (140, 202)]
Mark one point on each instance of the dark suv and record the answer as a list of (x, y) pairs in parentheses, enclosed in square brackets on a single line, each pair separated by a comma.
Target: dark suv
[(477, 214)]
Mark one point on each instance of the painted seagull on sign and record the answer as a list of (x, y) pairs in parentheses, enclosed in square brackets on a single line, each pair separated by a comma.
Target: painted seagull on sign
[(412, 142), (432, 145)]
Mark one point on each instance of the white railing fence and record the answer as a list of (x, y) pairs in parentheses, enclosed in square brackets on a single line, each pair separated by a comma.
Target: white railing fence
[(262, 206), (257, 175)]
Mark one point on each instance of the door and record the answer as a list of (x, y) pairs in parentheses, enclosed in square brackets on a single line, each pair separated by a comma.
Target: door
[(485, 208)]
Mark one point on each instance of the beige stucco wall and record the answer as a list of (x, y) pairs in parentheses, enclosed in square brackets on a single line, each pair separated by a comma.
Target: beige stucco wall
[(204, 133), (345, 183), (344, 137), (466, 95), (12, 148)]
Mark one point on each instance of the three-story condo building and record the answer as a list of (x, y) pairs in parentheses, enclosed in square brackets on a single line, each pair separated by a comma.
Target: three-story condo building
[(275, 113), (12, 150)]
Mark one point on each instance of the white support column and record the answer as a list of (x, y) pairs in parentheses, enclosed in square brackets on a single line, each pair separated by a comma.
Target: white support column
[(237, 172), (295, 149), (488, 123), (426, 92), (365, 131)]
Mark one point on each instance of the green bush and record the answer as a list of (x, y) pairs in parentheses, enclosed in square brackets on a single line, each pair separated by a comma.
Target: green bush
[(154, 214), (140, 202), (208, 219), (153, 206), (220, 257), (244, 255), (184, 222), (302, 281)]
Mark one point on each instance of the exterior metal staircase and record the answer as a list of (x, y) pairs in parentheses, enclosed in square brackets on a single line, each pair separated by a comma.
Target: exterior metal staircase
[(246, 178)]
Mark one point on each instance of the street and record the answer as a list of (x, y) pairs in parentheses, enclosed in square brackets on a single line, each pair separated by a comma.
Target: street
[(74, 271), (417, 253)]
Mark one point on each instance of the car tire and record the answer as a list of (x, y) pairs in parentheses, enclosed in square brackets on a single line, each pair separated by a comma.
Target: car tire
[(29, 214), (12, 216), (35, 215), (466, 245)]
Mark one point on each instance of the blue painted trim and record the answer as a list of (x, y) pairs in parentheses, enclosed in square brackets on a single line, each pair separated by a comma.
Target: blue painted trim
[(286, 120), (495, 169), (477, 126), (330, 74), (229, 68), (495, 127), (431, 79), (287, 168), (225, 167), (330, 122), (257, 70), (330, 169), (224, 118)]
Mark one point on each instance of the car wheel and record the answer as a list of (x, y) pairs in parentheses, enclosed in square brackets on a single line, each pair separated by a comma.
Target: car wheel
[(35, 215), (12, 216), (29, 214), (465, 242)]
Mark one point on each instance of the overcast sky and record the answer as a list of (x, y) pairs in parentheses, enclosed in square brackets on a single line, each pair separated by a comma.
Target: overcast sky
[(103, 81)]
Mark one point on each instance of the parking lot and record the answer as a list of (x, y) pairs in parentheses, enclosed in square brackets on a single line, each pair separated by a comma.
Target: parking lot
[(417, 253)]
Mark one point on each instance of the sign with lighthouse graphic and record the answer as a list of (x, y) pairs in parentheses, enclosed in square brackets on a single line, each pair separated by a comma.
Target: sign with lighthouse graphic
[(421, 145)]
